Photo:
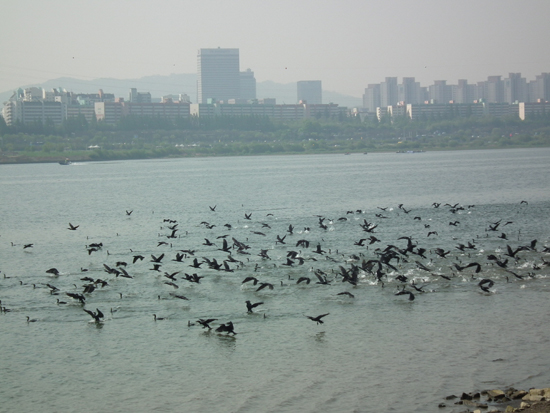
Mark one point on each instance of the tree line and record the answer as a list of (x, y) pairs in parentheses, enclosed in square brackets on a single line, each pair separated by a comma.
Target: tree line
[(153, 137)]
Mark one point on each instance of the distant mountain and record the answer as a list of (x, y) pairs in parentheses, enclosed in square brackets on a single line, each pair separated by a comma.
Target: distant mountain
[(175, 84)]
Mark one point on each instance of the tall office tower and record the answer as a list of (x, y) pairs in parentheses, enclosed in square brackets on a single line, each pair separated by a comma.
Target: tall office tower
[(409, 91), (311, 91), (440, 92), (388, 92), (248, 85), (218, 74), (463, 92), (494, 89), (515, 88), (371, 97), (539, 89)]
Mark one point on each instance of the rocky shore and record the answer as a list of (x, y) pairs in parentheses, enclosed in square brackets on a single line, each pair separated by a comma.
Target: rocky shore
[(498, 401)]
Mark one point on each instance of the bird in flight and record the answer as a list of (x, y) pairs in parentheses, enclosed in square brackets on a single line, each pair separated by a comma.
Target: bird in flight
[(318, 318)]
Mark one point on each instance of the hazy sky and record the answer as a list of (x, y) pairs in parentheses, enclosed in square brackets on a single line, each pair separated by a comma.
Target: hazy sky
[(346, 43)]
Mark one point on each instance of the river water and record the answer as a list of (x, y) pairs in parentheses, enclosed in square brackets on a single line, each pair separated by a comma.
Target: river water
[(375, 352)]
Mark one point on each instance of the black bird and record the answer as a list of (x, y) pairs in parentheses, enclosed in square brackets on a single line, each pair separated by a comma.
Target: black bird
[(250, 306), (264, 285), (196, 263), (28, 246), (302, 243), (78, 297), (253, 279), (194, 278), (225, 247), (441, 275), (138, 257), (171, 284), (181, 297), (179, 257), (158, 318), (212, 208), (157, 259), (73, 227), (280, 240), (511, 253), (319, 250), (472, 264), (205, 323), (226, 328), (129, 212), (485, 284), (318, 318), (405, 292), (53, 271), (307, 280), (97, 316), (263, 254), (346, 293), (441, 252), (322, 278), (247, 216)]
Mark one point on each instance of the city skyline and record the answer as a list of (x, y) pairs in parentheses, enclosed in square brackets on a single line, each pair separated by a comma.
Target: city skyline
[(347, 44)]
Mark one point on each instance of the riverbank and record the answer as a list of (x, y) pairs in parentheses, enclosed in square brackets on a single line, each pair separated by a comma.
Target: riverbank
[(118, 155), (508, 401)]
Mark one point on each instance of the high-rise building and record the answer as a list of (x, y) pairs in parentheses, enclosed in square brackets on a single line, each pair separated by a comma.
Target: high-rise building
[(440, 92), (310, 91), (494, 89), (409, 91), (248, 85), (139, 97), (388, 92), (463, 92), (371, 97), (218, 75), (515, 88), (539, 89)]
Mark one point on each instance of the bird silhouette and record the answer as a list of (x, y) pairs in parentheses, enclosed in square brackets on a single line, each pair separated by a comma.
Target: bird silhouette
[(318, 318), (250, 306)]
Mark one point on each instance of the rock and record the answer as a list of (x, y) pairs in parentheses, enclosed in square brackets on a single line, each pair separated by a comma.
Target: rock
[(536, 392), (441, 405), (518, 394), (495, 394), (474, 404), (509, 409), (465, 397), (532, 398), (451, 397), (524, 405)]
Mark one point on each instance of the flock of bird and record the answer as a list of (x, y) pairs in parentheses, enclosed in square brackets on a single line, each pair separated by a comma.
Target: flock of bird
[(261, 253)]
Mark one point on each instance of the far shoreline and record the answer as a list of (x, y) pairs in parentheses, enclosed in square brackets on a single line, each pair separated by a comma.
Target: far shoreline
[(114, 156)]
